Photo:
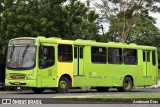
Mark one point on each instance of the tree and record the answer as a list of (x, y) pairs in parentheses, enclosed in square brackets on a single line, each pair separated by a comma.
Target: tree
[(32, 18), (79, 21), (123, 14), (21, 18), (144, 32)]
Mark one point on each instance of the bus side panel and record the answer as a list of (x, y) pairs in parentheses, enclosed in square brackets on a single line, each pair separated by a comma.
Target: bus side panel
[(80, 81), (64, 68)]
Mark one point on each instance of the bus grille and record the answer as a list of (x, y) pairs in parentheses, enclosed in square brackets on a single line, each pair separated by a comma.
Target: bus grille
[(17, 76)]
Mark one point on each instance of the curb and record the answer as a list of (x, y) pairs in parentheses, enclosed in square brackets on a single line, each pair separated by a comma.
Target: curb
[(156, 86), (151, 87)]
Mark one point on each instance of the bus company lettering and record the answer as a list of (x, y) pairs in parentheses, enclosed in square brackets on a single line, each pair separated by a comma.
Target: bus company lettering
[(145, 102), (14, 101)]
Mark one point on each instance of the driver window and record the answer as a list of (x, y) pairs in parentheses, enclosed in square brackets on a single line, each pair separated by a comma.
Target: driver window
[(46, 57)]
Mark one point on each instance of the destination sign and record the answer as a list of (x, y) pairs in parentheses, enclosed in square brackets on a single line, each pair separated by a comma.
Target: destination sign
[(22, 41)]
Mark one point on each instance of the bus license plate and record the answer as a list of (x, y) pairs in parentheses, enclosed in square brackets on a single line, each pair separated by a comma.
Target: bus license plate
[(17, 83)]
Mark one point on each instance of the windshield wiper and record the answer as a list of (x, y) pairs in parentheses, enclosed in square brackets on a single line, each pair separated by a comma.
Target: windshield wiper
[(12, 51), (24, 52)]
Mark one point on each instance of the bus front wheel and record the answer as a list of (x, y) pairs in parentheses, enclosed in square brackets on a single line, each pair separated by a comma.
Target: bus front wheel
[(38, 90), (63, 86), (127, 85)]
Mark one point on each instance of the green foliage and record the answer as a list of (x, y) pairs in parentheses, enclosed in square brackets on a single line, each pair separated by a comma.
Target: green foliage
[(79, 22), (123, 14), (31, 18)]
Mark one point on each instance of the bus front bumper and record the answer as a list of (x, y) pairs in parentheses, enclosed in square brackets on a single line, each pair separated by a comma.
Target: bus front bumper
[(23, 83)]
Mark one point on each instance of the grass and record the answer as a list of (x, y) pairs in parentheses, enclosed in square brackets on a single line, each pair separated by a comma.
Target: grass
[(125, 95), (137, 95), (114, 98)]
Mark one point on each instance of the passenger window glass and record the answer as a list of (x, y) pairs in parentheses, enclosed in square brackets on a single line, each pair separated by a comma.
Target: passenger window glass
[(114, 56), (65, 53), (98, 54), (81, 52), (130, 56), (144, 56), (46, 56), (148, 56), (153, 58), (75, 52)]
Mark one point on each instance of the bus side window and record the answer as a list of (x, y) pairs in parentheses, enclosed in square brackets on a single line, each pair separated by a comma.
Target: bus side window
[(75, 52), (153, 58), (98, 54), (60, 58), (114, 55), (46, 57), (130, 56), (144, 56), (65, 53)]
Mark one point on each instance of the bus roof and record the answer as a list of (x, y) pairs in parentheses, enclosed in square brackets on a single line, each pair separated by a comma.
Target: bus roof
[(113, 44), (89, 43)]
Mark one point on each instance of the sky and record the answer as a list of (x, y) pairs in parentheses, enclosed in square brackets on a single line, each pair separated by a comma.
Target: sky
[(106, 25)]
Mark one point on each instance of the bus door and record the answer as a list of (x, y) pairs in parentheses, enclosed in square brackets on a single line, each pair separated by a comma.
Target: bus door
[(78, 60), (46, 65), (146, 67), (146, 63)]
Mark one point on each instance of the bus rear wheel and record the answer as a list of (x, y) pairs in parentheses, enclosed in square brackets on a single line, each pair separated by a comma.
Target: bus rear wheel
[(38, 90), (102, 89), (63, 86), (127, 85)]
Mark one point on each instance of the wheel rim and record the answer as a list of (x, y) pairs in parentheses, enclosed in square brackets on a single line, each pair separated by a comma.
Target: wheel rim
[(63, 85), (127, 84)]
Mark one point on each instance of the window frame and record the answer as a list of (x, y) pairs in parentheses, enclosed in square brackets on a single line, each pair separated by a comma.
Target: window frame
[(154, 61), (63, 53), (42, 54), (119, 57), (99, 55), (26, 68), (136, 56)]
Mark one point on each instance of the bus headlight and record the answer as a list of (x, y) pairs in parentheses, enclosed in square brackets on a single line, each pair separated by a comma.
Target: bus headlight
[(30, 76)]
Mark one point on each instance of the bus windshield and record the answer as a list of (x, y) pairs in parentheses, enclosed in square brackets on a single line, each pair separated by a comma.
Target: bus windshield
[(21, 57)]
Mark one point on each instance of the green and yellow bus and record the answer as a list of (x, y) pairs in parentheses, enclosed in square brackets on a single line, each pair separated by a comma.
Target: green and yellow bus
[(41, 63)]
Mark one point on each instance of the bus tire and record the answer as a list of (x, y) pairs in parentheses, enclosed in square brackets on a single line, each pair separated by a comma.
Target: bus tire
[(102, 89), (127, 85), (38, 90), (63, 86)]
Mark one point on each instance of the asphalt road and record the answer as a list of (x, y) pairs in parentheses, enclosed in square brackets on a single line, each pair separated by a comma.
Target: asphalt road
[(74, 92), (25, 94)]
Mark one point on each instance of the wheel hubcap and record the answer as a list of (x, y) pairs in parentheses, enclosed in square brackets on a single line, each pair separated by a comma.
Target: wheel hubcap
[(127, 84), (63, 84)]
